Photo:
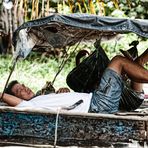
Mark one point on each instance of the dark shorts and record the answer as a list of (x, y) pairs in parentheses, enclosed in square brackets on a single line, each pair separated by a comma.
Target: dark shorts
[(105, 98), (130, 99)]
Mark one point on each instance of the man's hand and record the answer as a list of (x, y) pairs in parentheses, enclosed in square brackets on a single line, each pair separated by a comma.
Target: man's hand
[(62, 90)]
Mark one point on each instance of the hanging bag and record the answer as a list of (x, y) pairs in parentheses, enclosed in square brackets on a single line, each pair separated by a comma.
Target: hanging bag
[(85, 76)]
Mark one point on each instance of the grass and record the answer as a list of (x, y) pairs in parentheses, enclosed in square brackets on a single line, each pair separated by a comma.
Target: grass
[(36, 70), (33, 72)]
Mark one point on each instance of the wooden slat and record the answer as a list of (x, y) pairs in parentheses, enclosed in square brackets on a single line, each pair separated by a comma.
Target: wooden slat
[(81, 129)]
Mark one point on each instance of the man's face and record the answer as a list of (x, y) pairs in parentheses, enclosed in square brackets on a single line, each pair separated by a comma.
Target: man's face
[(23, 92)]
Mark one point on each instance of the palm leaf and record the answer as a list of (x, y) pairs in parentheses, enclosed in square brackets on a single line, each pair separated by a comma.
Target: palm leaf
[(101, 8), (79, 6), (85, 6), (43, 2), (116, 3), (71, 5), (129, 3), (92, 7)]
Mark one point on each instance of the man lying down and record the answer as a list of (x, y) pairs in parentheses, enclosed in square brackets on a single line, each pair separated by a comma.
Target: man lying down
[(104, 99)]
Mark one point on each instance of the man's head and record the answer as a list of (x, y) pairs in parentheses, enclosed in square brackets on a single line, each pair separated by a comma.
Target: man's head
[(19, 90)]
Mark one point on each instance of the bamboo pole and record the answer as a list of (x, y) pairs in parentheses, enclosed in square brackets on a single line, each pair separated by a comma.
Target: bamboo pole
[(43, 3), (32, 12), (6, 20), (2, 16), (15, 14), (26, 10), (47, 8), (37, 9), (21, 13)]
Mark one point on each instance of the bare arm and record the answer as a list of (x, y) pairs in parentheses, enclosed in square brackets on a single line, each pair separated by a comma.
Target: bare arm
[(11, 100), (63, 90)]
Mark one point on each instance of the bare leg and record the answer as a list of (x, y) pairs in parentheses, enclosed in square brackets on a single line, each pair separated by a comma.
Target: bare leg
[(141, 60), (134, 71)]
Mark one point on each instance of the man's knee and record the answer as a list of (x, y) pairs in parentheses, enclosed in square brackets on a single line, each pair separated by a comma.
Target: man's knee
[(117, 63), (118, 59)]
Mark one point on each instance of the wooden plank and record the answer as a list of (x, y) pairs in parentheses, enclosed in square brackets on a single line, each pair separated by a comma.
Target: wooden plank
[(146, 129), (90, 129)]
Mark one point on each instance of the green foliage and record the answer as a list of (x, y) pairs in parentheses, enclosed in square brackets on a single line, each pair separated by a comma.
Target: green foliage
[(113, 46), (36, 70), (129, 8), (33, 72), (137, 9)]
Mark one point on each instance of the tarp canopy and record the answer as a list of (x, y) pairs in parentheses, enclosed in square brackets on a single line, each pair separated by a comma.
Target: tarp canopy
[(58, 31)]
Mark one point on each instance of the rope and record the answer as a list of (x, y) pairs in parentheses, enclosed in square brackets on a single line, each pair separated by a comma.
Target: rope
[(56, 128), (57, 118), (65, 60), (60, 67)]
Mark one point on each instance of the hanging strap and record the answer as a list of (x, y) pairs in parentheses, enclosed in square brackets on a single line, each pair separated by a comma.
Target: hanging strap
[(65, 60), (93, 68)]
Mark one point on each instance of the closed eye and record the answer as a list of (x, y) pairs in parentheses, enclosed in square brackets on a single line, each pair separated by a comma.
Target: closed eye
[(18, 91)]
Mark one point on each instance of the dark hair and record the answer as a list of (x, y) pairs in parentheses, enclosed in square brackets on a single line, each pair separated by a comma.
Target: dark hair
[(8, 90)]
